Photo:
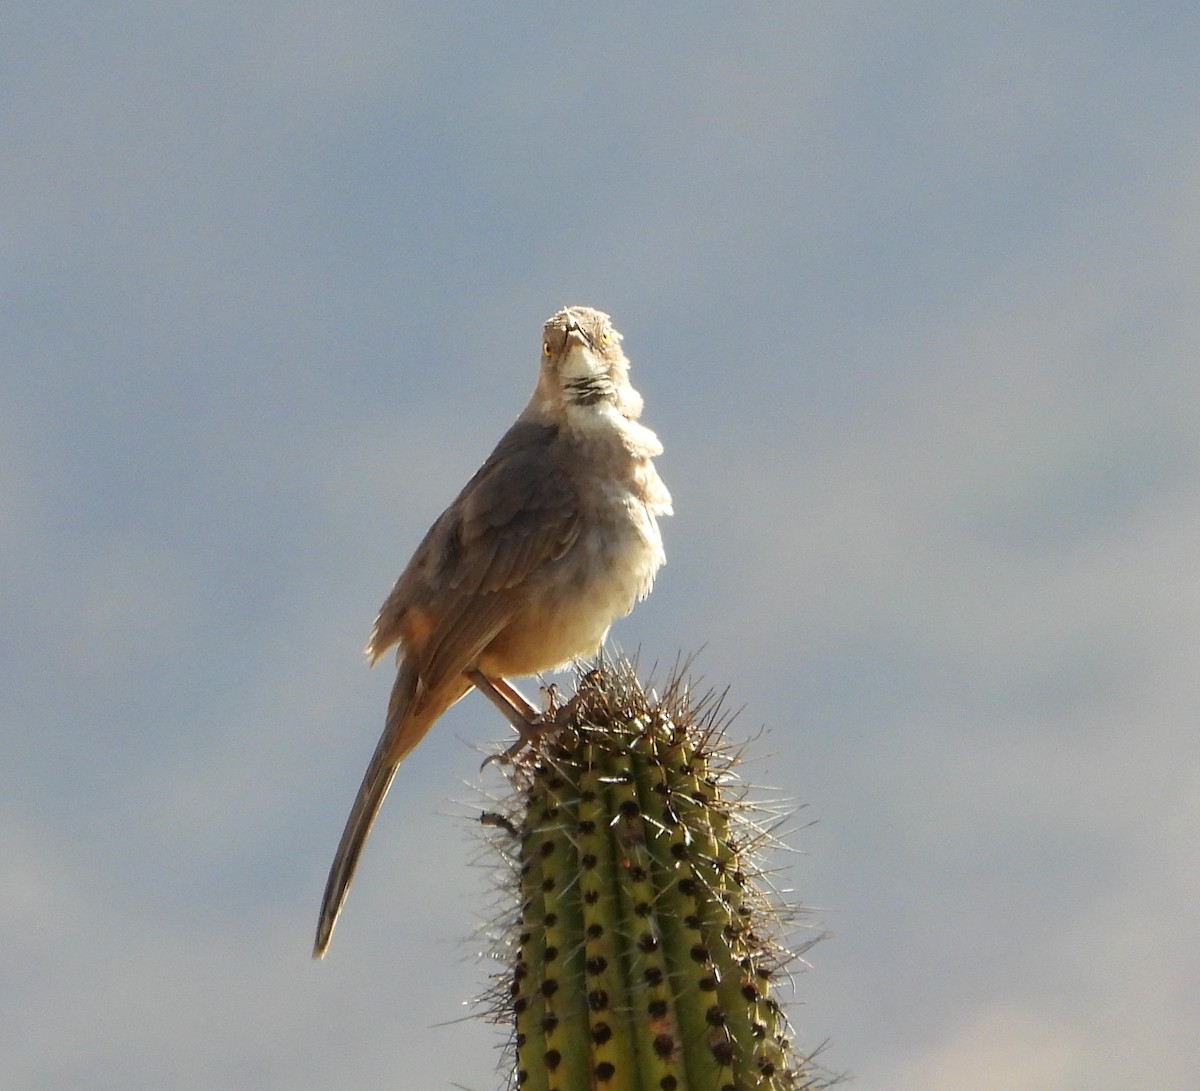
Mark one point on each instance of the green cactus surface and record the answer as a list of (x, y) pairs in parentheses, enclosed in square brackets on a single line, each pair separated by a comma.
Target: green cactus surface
[(647, 943)]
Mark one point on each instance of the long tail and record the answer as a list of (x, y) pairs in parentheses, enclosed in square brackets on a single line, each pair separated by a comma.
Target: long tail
[(402, 732)]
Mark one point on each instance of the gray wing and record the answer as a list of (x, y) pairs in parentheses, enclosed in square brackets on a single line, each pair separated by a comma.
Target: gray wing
[(518, 513)]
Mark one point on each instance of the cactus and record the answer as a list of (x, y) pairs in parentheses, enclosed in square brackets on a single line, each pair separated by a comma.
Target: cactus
[(646, 945)]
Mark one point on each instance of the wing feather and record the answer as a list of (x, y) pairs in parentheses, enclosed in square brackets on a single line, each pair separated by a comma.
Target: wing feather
[(519, 513)]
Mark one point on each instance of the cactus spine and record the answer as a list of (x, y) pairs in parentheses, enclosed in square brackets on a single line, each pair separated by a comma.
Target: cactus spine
[(646, 948)]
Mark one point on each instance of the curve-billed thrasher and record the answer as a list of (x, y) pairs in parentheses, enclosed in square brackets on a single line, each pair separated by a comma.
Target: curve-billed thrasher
[(554, 538)]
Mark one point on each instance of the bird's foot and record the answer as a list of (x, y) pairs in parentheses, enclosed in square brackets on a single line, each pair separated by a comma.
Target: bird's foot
[(556, 716), (529, 725)]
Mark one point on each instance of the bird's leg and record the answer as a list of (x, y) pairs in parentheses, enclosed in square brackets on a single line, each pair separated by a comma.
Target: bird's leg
[(529, 723), (513, 707), (517, 700)]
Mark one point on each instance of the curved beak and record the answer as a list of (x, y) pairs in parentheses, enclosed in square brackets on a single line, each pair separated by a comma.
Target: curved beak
[(576, 332)]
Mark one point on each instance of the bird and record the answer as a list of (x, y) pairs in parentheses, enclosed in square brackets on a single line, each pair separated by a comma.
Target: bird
[(554, 538)]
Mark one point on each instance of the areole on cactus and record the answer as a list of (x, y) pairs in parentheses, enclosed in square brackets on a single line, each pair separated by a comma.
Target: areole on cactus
[(647, 944)]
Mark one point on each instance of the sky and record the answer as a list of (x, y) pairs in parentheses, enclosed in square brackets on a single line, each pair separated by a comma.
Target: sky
[(910, 291)]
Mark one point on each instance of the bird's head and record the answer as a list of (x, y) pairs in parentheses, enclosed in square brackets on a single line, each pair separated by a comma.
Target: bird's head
[(583, 365)]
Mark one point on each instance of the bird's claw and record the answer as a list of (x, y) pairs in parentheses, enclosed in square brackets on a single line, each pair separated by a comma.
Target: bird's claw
[(530, 734)]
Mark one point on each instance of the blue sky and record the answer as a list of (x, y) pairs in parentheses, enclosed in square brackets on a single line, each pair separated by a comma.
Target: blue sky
[(910, 290)]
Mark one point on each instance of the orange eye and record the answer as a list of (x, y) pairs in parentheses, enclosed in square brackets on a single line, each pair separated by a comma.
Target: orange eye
[(545, 348)]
